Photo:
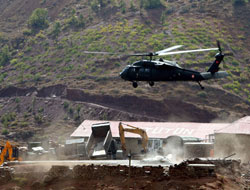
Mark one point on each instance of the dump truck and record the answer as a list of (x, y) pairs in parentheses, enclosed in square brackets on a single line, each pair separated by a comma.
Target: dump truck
[(98, 145)]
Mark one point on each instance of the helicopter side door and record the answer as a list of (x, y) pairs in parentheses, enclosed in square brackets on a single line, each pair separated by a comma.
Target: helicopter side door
[(163, 73), (144, 73)]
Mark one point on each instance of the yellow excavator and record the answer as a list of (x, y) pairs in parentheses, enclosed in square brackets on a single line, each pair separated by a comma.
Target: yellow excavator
[(9, 151), (135, 130)]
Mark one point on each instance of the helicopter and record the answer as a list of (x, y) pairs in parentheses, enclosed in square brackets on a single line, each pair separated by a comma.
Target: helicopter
[(163, 70)]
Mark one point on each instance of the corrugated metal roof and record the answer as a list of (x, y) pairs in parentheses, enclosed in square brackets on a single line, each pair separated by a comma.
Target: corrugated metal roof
[(241, 126), (155, 129)]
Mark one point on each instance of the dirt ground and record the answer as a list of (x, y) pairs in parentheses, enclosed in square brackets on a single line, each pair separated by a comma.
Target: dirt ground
[(226, 175)]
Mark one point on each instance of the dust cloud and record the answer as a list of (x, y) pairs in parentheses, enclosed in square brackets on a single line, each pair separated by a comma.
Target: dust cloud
[(228, 144)]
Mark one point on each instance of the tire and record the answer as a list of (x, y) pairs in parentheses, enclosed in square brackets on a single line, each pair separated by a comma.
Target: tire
[(151, 83), (135, 84)]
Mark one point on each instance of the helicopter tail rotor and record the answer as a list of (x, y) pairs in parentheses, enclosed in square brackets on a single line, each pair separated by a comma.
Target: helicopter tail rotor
[(219, 47), (219, 57)]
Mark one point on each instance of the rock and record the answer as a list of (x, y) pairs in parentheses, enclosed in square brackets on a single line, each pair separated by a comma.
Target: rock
[(47, 179), (36, 185)]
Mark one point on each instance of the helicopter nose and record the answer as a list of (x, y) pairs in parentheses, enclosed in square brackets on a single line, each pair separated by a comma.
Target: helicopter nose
[(123, 74)]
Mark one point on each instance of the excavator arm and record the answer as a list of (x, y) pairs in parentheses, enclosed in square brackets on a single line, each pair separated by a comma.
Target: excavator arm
[(8, 147), (135, 130)]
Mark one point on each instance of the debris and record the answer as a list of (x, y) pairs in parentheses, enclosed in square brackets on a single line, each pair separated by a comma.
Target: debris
[(230, 156), (6, 174)]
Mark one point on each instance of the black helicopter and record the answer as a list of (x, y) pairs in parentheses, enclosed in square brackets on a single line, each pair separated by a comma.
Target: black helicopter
[(164, 70)]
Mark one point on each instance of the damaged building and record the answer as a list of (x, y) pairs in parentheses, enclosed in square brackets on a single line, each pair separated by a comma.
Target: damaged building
[(195, 139), (234, 139)]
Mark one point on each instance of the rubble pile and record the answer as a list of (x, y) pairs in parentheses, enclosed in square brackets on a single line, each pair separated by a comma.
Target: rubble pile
[(222, 166), (57, 173), (99, 172), (6, 174), (190, 174), (186, 170), (246, 172)]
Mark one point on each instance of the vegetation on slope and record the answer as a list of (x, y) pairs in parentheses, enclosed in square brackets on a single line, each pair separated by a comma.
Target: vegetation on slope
[(48, 48)]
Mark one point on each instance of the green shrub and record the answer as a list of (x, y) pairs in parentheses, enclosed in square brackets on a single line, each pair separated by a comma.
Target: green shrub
[(239, 2), (17, 100), (38, 19), (65, 105), (4, 55), (56, 29), (38, 119), (27, 32), (75, 21), (23, 124), (151, 4), (5, 132), (71, 111), (202, 94)]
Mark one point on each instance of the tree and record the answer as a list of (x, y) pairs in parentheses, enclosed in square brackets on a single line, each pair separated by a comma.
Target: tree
[(38, 19)]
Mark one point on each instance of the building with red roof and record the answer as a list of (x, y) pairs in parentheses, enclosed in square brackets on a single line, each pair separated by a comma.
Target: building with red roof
[(229, 137)]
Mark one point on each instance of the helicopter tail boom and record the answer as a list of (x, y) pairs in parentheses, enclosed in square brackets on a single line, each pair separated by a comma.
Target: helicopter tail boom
[(217, 75)]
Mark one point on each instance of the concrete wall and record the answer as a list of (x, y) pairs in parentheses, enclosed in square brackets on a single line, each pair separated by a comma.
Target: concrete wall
[(226, 144)]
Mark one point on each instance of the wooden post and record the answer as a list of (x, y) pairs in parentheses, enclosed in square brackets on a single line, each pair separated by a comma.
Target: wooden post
[(129, 164)]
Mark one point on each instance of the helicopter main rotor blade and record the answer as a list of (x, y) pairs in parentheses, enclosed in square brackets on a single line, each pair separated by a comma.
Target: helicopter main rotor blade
[(100, 52), (117, 53), (187, 51), (168, 49)]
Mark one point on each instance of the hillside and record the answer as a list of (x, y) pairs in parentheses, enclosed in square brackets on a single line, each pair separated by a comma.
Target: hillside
[(50, 56)]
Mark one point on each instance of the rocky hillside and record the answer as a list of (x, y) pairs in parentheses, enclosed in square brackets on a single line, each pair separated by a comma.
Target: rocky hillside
[(48, 83)]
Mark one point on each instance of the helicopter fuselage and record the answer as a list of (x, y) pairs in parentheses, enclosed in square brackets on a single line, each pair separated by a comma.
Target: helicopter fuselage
[(163, 70), (158, 71)]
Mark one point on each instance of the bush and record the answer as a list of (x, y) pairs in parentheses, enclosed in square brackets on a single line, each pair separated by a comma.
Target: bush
[(27, 32), (38, 19), (56, 29), (151, 4), (75, 21), (38, 119), (5, 132), (239, 2), (65, 105), (4, 55)]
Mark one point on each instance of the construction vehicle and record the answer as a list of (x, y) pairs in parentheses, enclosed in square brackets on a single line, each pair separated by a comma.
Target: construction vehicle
[(135, 130), (98, 145), (9, 151)]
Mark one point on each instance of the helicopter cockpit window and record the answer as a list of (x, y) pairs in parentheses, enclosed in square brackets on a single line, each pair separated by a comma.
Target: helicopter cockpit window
[(138, 63)]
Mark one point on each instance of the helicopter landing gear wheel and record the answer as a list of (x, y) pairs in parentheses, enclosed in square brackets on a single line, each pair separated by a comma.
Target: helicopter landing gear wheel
[(151, 83), (135, 84)]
